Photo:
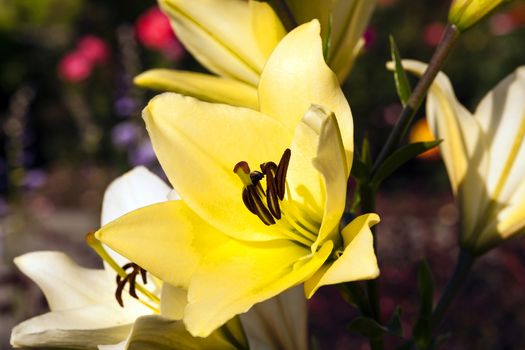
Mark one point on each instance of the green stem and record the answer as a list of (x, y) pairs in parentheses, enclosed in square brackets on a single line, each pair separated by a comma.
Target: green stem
[(463, 266), (443, 50)]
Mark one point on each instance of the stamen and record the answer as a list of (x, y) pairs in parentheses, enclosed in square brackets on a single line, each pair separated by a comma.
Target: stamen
[(131, 279), (242, 169), (271, 194), (260, 209), (280, 174), (253, 190), (248, 201), (96, 245)]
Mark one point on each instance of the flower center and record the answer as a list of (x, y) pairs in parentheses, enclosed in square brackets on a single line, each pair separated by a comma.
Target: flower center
[(265, 203), (123, 277)]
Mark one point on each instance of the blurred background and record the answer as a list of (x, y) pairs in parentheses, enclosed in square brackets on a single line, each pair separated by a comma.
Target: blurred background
[(70, 123)]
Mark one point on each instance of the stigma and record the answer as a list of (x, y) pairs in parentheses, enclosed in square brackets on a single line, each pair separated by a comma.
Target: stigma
[(265, 203)]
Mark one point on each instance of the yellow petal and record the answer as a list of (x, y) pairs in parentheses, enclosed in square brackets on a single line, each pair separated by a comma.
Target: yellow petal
[(463, 148), (219, 34), (198, 145), (296, 76), (202, 86), (166, 239), (267, 27), (350, 19), (357, 261), (239, 274), (321, 188)]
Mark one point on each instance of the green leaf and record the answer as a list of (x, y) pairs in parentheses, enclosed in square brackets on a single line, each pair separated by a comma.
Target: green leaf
[(155, 332), (327, 40), (368, 327), (402, 85), (366, 155), (400, 157), (395, 327)]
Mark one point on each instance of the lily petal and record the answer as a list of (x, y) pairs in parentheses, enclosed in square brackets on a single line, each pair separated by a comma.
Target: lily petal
[(135, 189), (278, 323), (501, 115), (205, 87), (331, 163), (118, 346), (84, 327), (237, 275), (350, 19), (84, 311), (296, 71), (358, 260), (173, 300), (463, 147), (65, 284), (155, 332), (206, 26), (186, 131), (173, 235), (267, 27)]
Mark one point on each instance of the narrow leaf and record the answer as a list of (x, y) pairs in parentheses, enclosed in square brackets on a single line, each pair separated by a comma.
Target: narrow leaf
[(400, 157), (368, 327), (402, 85), (395, 326)]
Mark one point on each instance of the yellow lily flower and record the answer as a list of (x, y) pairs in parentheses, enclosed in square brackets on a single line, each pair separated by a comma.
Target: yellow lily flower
[(484, 154), (239, 237), (465, 13), (234, 38), (85, 314)]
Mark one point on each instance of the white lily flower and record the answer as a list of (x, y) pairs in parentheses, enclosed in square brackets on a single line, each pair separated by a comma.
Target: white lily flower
[(484, 153), (84, 312)]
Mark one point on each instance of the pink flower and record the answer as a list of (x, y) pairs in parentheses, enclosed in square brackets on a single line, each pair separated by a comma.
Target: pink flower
[(93, 48), (432, 33), (153, 30), (74, 67)]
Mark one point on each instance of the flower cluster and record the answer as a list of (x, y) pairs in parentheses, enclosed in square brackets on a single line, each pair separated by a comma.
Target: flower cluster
[(258, 214)]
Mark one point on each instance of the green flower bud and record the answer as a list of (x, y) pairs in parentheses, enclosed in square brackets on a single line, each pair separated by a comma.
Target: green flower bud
[(465, 13)]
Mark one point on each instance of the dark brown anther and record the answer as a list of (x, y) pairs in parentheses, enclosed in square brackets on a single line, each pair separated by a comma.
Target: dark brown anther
[(144, 275), (120, 288), (271, 193), (280, 174), (269, 166), (248, 201), (130, 278), (242, 165), (256, 177), (260, 209)]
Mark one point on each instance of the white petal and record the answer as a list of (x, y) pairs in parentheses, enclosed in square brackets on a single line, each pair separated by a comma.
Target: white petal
[(85, 327), (278, 323), (135, 189), (65, 284), (463, 148), (501, 115)]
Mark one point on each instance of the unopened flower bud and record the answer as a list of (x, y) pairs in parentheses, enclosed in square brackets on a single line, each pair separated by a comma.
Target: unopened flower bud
[(465, 13)]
